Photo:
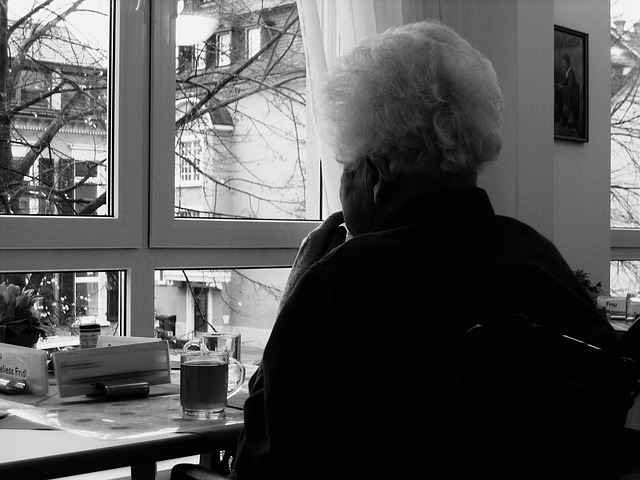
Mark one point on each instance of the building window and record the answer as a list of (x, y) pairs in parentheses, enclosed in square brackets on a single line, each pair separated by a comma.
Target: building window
[(200, 52), (253, 38), (33, 88), (223, 49), (190, 152)]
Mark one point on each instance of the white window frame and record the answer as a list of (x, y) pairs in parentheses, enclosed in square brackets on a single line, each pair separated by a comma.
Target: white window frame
[(625, 244), (123, 229)]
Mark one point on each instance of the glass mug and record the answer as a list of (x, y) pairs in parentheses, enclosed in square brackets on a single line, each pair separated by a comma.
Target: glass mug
[(205, 383), (213, 342)]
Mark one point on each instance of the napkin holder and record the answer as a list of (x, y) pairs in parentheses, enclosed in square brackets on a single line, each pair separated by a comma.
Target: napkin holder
[(112, 372)]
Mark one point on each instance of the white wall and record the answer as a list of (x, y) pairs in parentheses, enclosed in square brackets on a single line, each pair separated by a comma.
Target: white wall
[(582, 171), (517, 36), (559, 188)]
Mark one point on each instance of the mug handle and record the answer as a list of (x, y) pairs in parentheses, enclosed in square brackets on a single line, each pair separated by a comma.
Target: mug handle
[(191, 343), (236, 364)]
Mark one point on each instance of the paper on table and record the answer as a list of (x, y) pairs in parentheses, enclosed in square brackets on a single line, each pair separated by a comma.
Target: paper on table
[(21, 416), (14, 422)]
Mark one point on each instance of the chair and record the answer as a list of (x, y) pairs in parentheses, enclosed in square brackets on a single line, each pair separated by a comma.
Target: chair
[(555, 404), (185, 471), (213, 466)]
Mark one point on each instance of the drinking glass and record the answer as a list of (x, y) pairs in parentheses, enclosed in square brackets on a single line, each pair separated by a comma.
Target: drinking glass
[(205, 383), (213, 342)]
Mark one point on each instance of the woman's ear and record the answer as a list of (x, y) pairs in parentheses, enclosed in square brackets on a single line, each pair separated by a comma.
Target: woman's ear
[(374, 180)]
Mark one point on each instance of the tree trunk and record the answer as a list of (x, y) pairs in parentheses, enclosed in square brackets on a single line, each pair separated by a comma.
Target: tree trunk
[(7, 176)]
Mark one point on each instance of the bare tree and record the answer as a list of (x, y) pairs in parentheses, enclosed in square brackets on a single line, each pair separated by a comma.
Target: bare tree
[(254, 167), (50, 80)]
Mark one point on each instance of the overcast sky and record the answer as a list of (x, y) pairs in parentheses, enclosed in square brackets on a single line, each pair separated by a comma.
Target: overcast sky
[(86, 24)]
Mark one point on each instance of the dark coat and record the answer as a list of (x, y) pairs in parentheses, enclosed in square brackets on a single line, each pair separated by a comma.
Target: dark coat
[(360, 375)]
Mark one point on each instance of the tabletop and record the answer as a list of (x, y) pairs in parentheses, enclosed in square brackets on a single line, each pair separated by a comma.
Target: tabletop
[(42, 435)]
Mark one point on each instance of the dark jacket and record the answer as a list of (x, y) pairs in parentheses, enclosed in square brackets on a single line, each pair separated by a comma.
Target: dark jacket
[(360, 375)]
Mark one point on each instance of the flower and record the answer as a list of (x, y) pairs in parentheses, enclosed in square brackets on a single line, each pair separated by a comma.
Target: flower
[(18, 316)]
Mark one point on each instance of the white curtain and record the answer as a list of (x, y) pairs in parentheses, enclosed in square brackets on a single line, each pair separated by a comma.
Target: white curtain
[(330, 29)]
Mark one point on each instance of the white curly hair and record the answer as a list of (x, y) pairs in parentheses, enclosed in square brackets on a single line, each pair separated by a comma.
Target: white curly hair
[(415, 99)]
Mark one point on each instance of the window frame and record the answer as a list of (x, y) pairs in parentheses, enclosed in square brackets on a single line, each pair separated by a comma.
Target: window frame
[(165, 230), (123, 228), (625, 244), (248, 43), (219, 53), (139, 240)]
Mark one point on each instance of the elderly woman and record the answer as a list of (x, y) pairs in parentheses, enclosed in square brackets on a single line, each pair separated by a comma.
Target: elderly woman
[(361, 375)]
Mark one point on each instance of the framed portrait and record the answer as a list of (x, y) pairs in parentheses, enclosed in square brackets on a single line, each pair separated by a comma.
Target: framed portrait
[(571, 86)]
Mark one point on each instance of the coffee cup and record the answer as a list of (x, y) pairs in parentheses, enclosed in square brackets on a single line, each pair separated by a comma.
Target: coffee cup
[(205, 383), (213, 342), (89, 333)]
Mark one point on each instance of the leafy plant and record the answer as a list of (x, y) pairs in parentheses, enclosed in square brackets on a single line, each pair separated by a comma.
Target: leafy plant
[(18, 315), (592, 290)]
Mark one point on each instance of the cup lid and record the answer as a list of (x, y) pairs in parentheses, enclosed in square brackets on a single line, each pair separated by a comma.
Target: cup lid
[(89, 327)]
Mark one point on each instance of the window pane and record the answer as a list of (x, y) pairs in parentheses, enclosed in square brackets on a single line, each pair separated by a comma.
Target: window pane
[(625, 120), (253, 41), (245, 112), (57, 162), (625, 277), (69, 299), (223, 49), (191, 302)]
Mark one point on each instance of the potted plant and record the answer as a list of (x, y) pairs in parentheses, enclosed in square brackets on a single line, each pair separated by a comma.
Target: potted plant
[(19, 321), (594, 291)]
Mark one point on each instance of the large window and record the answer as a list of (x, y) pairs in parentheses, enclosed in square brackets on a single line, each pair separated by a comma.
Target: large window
[(258, 167), (177, 178)]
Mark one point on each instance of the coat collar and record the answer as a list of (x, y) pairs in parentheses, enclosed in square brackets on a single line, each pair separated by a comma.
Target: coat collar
[(448, 204)]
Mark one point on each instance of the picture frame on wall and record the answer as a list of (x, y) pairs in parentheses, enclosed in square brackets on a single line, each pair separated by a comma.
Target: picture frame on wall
[(571, 86)]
